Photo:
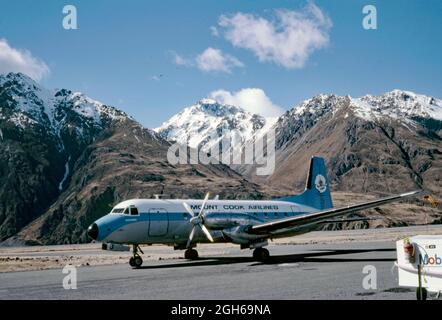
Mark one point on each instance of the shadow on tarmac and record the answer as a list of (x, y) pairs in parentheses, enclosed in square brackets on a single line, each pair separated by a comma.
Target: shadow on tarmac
[(320, 256)]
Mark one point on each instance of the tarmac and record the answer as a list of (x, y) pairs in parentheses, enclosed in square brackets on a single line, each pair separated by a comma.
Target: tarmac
[(334, 270)]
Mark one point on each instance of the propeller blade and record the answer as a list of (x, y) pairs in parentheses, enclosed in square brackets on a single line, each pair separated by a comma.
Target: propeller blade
[(197, 220), (192, 233), (204, 204), (188, 209), (206, 232)]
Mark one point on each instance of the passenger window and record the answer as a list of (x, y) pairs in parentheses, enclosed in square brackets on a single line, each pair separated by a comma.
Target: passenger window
[(133, 211)]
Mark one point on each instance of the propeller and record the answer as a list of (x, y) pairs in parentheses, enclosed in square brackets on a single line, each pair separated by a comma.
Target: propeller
[(198, 220)]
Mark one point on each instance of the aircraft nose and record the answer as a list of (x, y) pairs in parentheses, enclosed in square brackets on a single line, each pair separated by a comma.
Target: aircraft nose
[(92, 231)]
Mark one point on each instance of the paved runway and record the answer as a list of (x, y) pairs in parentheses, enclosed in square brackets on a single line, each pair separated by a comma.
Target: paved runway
[(319, 271)]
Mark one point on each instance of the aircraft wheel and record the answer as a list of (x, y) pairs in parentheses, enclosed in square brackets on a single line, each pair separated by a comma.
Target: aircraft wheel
[(131, 262), (421, 293), (261, 254), (138, 261), (191, 254)]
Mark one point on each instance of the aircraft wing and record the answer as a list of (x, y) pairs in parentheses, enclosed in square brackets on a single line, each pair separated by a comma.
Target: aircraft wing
[(350, 219), (320, 216)]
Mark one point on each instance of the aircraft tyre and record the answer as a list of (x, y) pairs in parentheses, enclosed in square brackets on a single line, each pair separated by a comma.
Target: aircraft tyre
[(261, 254), (138, 261), (191, 254), (131, 262)]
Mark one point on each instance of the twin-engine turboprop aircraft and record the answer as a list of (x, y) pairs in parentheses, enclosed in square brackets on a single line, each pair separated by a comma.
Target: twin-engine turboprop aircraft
[(249, 223)]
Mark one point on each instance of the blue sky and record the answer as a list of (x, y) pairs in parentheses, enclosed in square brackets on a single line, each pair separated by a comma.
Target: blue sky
[(124, 53)]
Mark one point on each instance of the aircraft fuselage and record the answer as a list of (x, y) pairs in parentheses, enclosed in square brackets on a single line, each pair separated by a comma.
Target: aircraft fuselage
[(167, 222)]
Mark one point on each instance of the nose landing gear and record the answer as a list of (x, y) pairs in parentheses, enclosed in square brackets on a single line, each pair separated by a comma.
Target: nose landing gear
[(136, 261)]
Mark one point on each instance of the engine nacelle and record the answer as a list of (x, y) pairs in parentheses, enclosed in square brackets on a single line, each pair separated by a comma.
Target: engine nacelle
[(221, 221), (239, 235)]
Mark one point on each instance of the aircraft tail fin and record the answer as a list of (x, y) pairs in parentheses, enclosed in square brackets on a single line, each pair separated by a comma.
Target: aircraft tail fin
[(317, 191)]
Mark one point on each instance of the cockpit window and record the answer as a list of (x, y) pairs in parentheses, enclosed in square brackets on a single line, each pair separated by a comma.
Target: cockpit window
[(132, 210)]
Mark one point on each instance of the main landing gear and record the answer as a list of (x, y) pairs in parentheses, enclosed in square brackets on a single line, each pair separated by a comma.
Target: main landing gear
[(191, 254), (136, 261), (261, 254)]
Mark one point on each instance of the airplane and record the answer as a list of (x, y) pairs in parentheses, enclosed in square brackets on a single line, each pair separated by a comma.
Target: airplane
[(183, 223)]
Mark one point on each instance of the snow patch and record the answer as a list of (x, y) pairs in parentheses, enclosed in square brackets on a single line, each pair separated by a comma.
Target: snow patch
[(85, 106), (93, 109), (21, 120), (363, 109)]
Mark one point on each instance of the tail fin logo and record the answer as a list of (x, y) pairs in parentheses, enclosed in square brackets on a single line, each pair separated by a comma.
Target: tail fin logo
[(320, 183)]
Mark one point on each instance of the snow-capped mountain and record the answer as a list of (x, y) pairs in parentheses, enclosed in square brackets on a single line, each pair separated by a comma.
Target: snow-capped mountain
[(26, 103), (396, 104), (399, 104), (207, 122), (405, 107)]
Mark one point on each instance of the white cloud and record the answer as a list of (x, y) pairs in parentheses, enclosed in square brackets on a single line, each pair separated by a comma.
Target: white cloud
[(16, 60), (287, 40), (179, 60), (253, 100), (215, 60), (210, 60)]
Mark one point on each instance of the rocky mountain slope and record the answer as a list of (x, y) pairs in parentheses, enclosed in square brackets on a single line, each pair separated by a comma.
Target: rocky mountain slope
[(42, 133), (206, 123)]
